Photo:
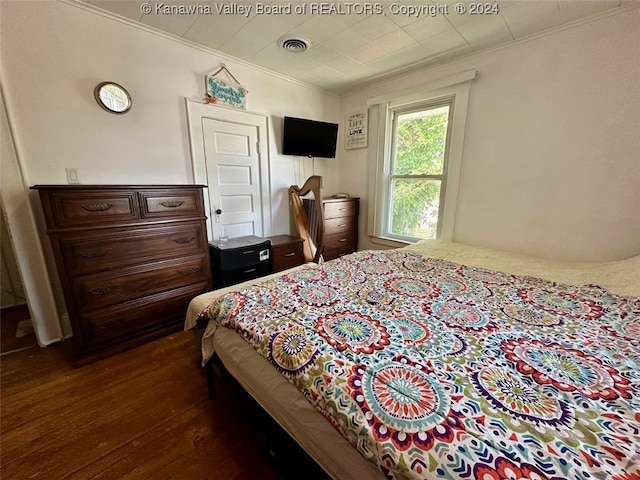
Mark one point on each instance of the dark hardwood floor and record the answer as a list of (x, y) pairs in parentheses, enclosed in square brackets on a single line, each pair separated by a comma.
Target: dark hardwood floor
[(142, 414), (10, 319)]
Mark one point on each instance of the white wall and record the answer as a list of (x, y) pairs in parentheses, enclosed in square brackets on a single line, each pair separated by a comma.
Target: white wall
[(551, 163), (24, 239), (54, 54)]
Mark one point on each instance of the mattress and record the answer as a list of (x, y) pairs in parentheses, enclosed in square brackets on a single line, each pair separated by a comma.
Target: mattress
[(283, 401)]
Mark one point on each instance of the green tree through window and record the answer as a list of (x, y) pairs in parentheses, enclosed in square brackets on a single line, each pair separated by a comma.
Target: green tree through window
[(418, 171)]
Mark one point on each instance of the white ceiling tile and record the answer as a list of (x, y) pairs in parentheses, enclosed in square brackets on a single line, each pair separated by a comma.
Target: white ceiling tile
[(297, 65), (321, 53), (366, 53), (319, 28), (490, 29), (348, 49), (243, 44), (428, 27), (266, 27), (210, 31), (166, 17), (348, 65), (374, 26), (125, 9), (318, 73), (352, 18), (400, 15), (345, 41), (393, 41), (405, 56), (444, 42), (294, 18), (271, 56)]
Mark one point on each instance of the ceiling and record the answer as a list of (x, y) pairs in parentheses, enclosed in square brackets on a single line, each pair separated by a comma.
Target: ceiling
[(350, 46)]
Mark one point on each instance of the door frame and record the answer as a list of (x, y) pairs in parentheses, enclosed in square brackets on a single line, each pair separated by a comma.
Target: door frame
[(18, 204), (196, 112)]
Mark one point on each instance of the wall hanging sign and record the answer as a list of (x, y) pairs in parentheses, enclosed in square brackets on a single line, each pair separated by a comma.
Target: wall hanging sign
[(356, 131), (219, 91)]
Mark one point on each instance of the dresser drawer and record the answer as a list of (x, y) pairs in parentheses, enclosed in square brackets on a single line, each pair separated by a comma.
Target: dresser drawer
[(288, 254), (122, 320), (225, 278), (89, 207), (340, 209), (95, 253), (339, 244), (158, 203), (340, 224), (102, 290), (333, 253), (225, 256)]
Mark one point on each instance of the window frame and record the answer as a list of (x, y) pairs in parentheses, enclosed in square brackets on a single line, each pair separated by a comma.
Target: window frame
[(457, 88), (389, 176)]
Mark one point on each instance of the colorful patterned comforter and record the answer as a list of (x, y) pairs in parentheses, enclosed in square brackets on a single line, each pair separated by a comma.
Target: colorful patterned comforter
[(433, 369)]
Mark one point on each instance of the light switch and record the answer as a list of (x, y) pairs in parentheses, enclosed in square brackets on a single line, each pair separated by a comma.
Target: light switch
[(72, 176)]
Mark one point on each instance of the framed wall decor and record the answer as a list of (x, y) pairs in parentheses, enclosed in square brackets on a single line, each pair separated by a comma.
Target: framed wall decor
[(356, 130), (112, 97), (220, 91)]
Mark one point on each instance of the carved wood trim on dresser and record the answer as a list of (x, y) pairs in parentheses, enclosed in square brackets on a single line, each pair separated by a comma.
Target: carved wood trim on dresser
[(130, 258)]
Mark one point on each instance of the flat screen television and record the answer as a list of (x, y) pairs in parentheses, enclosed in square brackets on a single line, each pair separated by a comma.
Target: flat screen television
[(309, 138)]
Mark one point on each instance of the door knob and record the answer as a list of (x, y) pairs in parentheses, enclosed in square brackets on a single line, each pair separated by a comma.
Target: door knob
[(218, 211)]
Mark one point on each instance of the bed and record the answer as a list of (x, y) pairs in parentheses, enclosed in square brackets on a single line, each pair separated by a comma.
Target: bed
[(441, 360)]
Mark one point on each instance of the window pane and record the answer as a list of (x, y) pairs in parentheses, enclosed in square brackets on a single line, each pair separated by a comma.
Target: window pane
[(420, 142), (414, 207)]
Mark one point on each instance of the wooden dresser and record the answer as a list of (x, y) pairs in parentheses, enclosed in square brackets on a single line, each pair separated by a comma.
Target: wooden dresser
[(130, 258), (340, 225), (286, 252)]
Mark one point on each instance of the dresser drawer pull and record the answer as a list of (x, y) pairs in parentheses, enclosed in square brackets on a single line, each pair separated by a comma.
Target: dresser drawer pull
[(172, 203), (101, 291), (97, 207), (342, 209), (247, 252), (342, 225), (292, 254), (108, 324), (189, 271), (94, 252), (184, 240), (250, 270), (342, 240)]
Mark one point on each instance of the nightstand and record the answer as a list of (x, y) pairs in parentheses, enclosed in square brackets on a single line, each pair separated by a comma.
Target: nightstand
[(286, 252), (239, 259)]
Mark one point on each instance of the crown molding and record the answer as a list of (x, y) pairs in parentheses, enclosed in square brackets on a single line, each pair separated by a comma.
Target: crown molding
[(211, 51), (451, 57)]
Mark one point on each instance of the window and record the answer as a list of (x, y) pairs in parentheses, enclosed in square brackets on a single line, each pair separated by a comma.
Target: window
[(415, 168), (417, 171)]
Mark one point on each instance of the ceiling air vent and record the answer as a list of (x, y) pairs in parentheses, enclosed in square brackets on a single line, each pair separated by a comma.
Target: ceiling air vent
[(294, 44)]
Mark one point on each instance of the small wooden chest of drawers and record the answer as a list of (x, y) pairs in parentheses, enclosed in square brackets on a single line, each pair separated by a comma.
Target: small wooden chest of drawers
[(340, 225), (129, 258), (286, 251)]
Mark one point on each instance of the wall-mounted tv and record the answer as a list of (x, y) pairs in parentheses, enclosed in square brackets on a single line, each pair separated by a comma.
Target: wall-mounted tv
[(309, 138)]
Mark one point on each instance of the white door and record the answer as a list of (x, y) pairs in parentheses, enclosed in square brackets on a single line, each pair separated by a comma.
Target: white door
[(233, 174), (231, 157)]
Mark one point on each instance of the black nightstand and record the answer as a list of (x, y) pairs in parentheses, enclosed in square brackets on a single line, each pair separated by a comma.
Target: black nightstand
[(240, 259)]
